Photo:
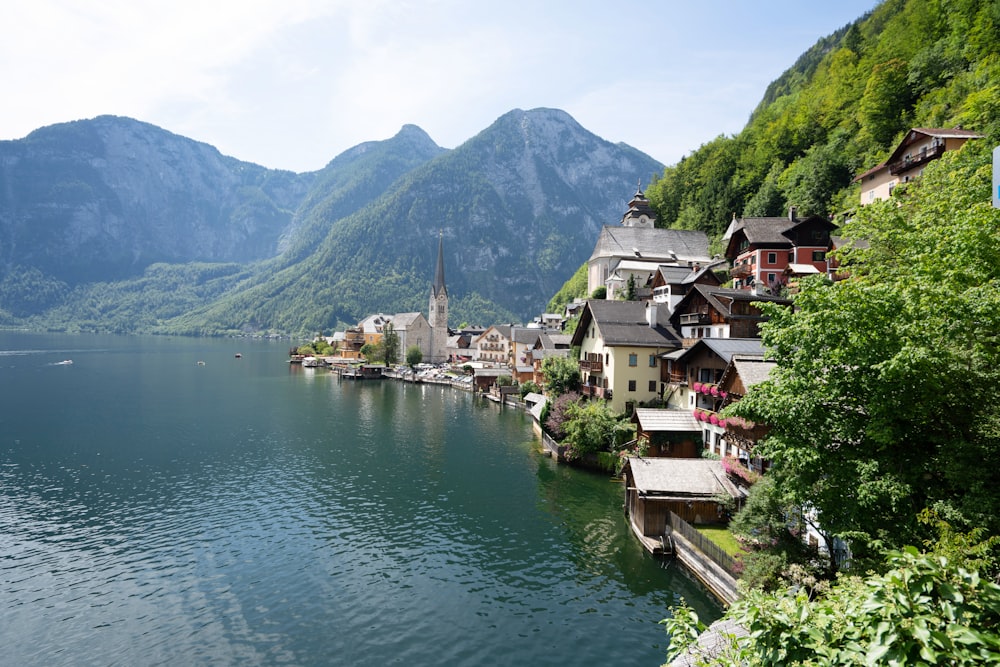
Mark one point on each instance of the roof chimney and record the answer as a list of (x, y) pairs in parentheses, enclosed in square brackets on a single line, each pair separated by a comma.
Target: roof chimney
[(791, 213)]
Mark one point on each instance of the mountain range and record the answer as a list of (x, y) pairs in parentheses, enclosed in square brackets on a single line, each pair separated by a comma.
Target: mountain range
[(112, 224)]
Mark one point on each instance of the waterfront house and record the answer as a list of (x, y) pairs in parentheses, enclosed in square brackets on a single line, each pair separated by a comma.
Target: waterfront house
[(493, 345), (620, 345), (719, 312), (690, 488), (637, 240), (667, 433), (908, 160), (373, 327), (760, 250)]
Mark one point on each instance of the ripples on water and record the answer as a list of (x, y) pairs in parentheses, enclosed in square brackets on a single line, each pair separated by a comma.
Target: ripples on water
[(157, 512)]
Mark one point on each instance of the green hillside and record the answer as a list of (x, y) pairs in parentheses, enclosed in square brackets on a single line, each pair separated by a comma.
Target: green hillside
[(840, 109)]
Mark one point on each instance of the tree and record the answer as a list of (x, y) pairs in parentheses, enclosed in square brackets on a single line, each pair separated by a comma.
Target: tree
[(561, 374), (886, 395), (591, 426), (599, 293), (390, 344), (630, 289), (413, 356)]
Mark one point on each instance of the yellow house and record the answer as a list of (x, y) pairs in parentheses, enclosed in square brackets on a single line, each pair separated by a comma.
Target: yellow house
[(907, 162), (620, 344)]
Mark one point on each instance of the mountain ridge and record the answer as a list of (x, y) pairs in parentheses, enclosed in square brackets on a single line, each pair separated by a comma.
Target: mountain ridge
[(297, 252)]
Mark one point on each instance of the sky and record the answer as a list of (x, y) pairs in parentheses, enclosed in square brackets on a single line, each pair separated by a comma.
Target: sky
[(291, 84)]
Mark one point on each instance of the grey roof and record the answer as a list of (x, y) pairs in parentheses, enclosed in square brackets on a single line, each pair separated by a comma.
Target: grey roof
[(752, 370), (652, 419), (721, 299), (524, 335), (728, 347), (552, 341), (403, 320), (624, 323), (687, 245), (687, 478)]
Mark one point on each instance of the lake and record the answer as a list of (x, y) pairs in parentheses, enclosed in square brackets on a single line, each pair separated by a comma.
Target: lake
[(163, 502)]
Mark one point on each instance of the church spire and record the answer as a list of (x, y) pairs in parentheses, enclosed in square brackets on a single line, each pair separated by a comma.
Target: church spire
[(439, 287)]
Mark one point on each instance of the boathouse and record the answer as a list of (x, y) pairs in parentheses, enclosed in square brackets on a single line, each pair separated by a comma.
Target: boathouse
[(690, 488)]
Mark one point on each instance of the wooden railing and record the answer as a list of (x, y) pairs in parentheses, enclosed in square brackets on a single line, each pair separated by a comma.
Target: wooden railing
[(712, 550)]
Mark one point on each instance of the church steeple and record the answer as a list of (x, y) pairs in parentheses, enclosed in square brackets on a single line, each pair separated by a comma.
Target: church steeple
[(437, 311), (438, 287), (639, 213)]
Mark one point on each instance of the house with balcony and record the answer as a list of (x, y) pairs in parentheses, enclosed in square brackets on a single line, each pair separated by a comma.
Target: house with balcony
[(763, 251), (620, 345), (493, 345), (907, 162), (694, 381), (720, 312)]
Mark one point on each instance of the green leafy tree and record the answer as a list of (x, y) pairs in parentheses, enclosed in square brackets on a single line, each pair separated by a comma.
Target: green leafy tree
[(599, 293), (591, 426), (413, 356), (630, 288), (886, 395), (561, 374)]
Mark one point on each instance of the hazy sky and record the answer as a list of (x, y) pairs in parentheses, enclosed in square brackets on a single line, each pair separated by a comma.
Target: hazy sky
[(292, 83)]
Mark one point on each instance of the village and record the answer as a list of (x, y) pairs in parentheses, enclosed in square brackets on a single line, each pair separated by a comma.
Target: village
[(669, 337)]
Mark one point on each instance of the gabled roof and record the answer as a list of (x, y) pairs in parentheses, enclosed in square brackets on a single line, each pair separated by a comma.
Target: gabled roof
[(404, 320), (680, 478), (752, 370), (653, 420), (658, 244), (774, 233), (721, 299), (623, 323), (918, 134), (724, 348)]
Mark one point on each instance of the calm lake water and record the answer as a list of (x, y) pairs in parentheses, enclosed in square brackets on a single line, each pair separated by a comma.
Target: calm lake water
[(154, 511)]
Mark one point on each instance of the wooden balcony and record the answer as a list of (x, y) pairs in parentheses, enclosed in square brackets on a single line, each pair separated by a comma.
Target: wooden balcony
[(695, 318), (740, 272), (592, 365), (921, 157), (592, 391)]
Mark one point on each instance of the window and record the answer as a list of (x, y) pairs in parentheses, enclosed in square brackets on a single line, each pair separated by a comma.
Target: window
[(633, 360), (819, 255), (631, 385), (652, 386), (772, 258), (652, 361)]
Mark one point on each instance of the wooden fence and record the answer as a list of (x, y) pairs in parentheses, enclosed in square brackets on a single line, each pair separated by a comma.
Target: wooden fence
[(712, 550)]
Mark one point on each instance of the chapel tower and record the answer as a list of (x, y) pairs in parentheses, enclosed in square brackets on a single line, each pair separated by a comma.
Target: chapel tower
[(437, 312)]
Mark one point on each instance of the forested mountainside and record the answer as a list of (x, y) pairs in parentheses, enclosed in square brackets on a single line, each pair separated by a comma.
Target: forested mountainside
[(841, 108), (116, 225)]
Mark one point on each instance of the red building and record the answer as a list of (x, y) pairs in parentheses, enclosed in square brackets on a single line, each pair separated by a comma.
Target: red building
[(764, 252)]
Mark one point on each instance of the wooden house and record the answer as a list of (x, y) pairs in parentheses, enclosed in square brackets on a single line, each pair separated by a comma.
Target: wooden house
[(690, 488), (668, 433), (720, 312)]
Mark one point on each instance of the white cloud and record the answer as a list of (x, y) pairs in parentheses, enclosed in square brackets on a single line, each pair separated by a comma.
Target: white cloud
[(292, 84)]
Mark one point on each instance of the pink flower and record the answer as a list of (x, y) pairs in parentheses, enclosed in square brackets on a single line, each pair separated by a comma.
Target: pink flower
[(714, 419)]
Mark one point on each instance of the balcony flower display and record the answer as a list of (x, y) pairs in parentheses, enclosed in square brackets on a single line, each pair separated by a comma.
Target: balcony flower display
[(697, 387), (714, 419), (714, 390)]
